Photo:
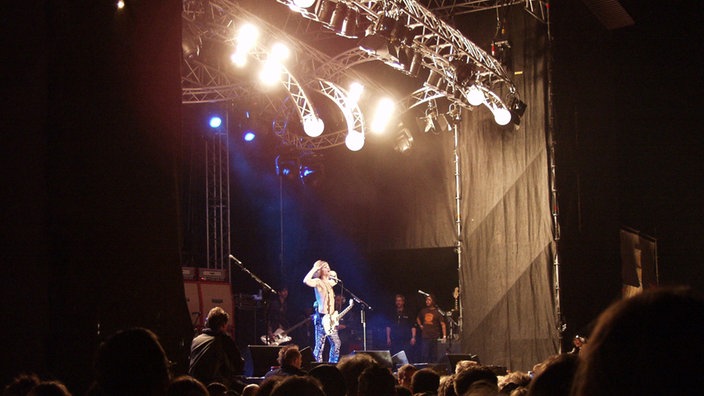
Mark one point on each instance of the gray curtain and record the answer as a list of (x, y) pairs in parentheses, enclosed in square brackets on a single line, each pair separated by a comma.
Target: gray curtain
[(506, 272)]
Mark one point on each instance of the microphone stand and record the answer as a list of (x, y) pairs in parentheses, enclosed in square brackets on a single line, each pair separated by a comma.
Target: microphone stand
[(264, 286), (362, 312)]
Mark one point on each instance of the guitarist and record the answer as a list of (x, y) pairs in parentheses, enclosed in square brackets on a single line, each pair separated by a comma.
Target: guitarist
[(319, 279)]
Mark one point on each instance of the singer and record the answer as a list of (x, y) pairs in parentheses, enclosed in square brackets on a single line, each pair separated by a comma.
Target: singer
[(319, 279)]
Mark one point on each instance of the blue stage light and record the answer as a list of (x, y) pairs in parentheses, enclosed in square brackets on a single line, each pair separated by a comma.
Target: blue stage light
[(215, 122), (248, 136)]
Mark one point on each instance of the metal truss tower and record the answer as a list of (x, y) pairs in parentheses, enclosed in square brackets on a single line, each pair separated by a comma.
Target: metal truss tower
[(217, 185)]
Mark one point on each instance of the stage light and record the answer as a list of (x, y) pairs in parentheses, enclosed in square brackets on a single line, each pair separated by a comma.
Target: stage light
[(247, 36), (501, 114), (382, 115), (433, 122), (434, 79), (353, 24), (338, 17), (215, 121), (354, 140), (416, 62), (404, 140), (380, 42), (120, 4), (475, 96), (313, 125), (518, 107), (303, 3), (287, 165), (354, 94), (249, 136), (270, 73), (324, 11), (464, 72), (190, 43), (312, 170), (279, 52)]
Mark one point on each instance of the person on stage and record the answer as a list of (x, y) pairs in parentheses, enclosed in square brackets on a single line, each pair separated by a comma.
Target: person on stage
[(401, 329), (319, 279), (432, 325)]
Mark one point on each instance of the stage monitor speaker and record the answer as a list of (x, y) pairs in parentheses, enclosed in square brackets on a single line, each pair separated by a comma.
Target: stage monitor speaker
[(399, 359), (263, 358), (457, 357), (383, 357)]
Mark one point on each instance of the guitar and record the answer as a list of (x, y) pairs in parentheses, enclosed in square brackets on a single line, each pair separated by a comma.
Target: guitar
[(331, 321), (280, 336)]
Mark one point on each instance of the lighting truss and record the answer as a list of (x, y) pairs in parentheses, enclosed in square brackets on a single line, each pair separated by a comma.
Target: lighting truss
[(537, 8), (439, 44), (204, 83)]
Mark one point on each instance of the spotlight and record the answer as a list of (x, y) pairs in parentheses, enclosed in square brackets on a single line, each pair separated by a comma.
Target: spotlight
[(432, 121), (383, 113), (215, 122), (313, 125), (324, 11), (287, 165), (354, 93), (354, 140), (404, 140), (518, 107), (434, 79), (501, 114), (352, 24), (475, 96), (416, 62), (311, 170), (247, 36), (337, 17), (464, 72), (379, 41), (190, 43), (248, 136), (303, 3)]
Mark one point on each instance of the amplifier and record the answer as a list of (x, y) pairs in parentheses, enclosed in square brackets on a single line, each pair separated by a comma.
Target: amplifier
[(213, 274), (189, 273)]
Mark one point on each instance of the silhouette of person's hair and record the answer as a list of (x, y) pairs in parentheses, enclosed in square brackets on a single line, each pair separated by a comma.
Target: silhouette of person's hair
[(425, 380), (298, 385), (376, 381), (132, 362), (49, 388), (645, 345), (465, 378), (21, 385), (186, 385), (557, 376), (351, 366), (332, 379)]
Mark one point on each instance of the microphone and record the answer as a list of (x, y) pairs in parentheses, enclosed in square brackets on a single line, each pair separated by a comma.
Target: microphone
[(237, 261), (423, 293), (334, 278)]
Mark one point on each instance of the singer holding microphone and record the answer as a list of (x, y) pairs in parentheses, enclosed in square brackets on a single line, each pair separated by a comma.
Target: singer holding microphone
[(320, 280)]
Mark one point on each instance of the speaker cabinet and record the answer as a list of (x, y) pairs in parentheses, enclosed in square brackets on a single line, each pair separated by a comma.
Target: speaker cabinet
[(263, 358), (201, 297)]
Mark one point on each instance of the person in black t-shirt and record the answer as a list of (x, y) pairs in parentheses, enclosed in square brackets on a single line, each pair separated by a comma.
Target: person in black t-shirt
[(401, 329)]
